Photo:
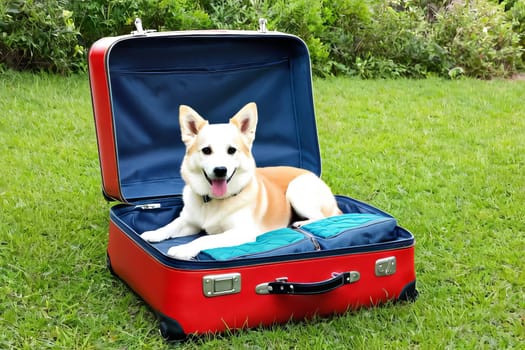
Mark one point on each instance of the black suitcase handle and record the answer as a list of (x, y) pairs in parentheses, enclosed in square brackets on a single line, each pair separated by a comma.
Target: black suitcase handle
[(282, 286)]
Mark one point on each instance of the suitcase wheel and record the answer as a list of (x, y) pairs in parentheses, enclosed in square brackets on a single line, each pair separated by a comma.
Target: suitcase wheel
[(170, 329), (409, 293)]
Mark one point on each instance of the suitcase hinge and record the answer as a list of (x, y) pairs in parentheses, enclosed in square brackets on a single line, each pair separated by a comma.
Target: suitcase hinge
[(262, 25), (140, 30)]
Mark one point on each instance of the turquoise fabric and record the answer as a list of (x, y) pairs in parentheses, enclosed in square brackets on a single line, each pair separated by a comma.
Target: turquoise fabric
[(335, 232), (266, 243), (334, 225)]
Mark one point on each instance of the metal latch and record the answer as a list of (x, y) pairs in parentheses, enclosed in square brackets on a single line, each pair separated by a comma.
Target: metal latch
[(217, 285), (148, 206), (139, 29), (386, 266)]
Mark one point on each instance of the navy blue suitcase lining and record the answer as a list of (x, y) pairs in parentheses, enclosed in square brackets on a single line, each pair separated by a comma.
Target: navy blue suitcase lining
[(377, 231), (271, 70)]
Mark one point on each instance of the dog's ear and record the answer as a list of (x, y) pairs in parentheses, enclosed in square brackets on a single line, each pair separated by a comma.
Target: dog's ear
[(246, 121), (190, 123)]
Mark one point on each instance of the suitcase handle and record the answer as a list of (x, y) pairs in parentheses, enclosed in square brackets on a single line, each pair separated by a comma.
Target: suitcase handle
[(282, 286)]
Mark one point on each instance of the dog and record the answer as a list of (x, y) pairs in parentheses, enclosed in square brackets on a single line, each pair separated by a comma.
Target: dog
[(227, 196)]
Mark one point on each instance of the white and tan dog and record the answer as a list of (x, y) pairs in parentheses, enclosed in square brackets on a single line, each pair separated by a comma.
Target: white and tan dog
[(227, 196)]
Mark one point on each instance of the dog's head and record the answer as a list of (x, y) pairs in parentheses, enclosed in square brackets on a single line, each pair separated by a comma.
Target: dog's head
[(218, 162)]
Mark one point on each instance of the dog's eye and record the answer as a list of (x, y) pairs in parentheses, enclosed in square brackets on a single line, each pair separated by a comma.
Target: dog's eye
[(206, 150), (231, 150)]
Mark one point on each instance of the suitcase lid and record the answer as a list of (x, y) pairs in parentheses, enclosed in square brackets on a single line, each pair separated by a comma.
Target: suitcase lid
[(138, 82)]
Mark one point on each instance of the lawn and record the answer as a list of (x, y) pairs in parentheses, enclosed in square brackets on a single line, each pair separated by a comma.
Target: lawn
[(447, 158)]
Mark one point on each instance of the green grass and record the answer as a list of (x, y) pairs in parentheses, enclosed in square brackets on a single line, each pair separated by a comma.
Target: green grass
[(446, 158)]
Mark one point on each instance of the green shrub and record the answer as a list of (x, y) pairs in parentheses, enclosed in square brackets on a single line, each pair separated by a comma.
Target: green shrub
[(421, 38), (365, 38), (397, 44), (98, 18), (234, 14), (39, 35), (478, 38), (171, 15), (344, 22), (517, 17), (304, 19)]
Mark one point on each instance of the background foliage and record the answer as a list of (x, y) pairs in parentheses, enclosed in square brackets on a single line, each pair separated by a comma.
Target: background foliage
[(365, 38)]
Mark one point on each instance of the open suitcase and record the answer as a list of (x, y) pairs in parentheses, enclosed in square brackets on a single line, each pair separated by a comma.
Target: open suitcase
[(137, 83)]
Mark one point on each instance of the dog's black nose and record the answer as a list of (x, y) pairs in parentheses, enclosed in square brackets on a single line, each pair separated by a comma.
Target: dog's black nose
[(220, 171)]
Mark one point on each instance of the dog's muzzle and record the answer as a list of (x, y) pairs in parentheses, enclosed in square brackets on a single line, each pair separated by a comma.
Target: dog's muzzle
[(218, 183), (219, 173)]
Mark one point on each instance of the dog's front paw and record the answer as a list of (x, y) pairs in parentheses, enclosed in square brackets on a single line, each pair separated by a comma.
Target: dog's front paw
[(183, 252), (153, 236)]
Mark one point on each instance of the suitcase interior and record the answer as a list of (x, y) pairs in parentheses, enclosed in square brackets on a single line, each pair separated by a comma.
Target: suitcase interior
[(133, 220), (215, 74)]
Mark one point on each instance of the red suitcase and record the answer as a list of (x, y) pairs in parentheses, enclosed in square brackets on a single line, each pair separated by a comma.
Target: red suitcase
[(137, 83)]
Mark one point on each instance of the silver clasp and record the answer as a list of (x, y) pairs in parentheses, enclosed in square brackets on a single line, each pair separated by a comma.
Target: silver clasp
[(217, 285), (385, 266), (148, 206)]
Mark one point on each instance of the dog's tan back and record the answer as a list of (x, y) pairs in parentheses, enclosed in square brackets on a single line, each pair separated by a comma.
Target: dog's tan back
[(273, 183)]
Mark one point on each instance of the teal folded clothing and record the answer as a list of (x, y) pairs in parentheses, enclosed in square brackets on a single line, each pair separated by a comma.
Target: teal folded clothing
[(354, 229), (342, 231), (277, 242)]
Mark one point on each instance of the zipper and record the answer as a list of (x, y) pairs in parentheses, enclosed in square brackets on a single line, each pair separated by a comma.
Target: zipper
[(312, 238)]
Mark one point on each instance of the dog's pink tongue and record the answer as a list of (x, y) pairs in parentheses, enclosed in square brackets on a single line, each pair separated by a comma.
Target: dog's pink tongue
[(219, 187)]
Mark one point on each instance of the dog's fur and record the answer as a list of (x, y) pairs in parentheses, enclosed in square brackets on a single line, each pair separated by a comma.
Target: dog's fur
[(227, 196)]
